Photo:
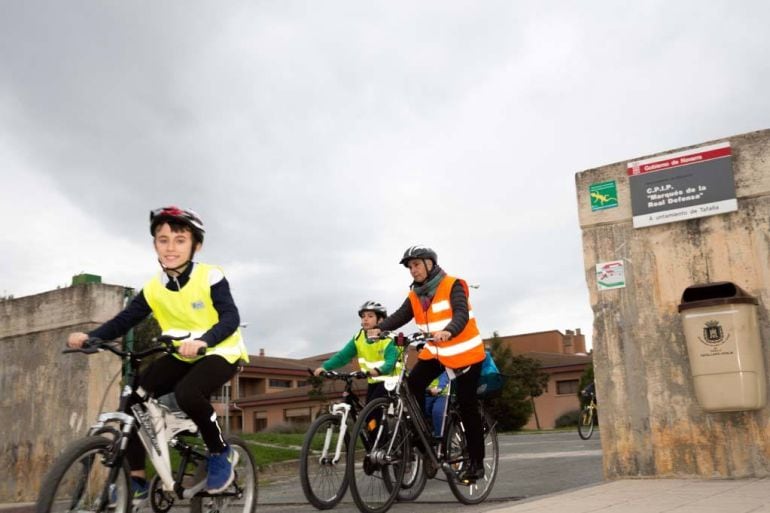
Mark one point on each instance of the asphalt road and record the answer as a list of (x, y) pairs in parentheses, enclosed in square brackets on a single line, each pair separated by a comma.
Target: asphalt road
[(530, 465)]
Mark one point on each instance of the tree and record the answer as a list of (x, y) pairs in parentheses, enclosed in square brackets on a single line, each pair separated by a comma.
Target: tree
[(525, 381), (316, 393), (144, 332)]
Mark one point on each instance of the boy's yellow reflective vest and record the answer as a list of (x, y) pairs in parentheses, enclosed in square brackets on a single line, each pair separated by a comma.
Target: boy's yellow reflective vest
[(191, 310), (371, 355)]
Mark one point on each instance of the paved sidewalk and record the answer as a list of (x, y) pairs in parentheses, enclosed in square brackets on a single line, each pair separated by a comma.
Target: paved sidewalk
[(627, 496), (655, 496)]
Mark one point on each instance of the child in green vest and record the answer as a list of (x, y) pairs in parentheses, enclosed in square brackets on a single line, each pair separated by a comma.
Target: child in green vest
[(185, 297), (378, 357)]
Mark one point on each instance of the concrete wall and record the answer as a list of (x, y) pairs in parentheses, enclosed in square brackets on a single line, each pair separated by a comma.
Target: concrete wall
[(49, 399), (651, 423)]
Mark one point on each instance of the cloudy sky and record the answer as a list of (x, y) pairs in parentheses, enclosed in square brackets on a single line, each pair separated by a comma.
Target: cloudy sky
[(319, 139)]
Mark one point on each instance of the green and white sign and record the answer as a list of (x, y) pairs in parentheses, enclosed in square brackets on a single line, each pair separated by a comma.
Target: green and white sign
[(610, 275), (603, 195)]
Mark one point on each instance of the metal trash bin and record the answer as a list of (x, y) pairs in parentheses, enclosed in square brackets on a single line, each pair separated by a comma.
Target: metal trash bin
[(725, 350)]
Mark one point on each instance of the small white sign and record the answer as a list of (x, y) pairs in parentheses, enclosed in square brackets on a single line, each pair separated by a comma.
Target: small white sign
[(610, 275)]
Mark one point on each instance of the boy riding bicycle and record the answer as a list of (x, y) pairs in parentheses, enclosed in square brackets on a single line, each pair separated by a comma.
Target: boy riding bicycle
[(193, 298), (376, 357)]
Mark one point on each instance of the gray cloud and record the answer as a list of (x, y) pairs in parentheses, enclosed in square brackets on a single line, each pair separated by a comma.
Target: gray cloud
[(318, 140)]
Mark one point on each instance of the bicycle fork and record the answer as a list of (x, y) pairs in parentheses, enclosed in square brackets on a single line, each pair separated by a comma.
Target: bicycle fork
[(342, 410)]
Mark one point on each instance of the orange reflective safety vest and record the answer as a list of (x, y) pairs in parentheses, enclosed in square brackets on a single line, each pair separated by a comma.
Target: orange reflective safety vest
[(460, 351)]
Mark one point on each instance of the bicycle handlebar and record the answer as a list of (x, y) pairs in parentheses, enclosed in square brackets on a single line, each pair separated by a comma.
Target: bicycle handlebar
[(94, 345), (401, 340), (341, 375)]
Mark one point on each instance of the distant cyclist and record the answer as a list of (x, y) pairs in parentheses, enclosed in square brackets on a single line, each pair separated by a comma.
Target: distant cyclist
[(589, 393), (185, 297), (378, 357)]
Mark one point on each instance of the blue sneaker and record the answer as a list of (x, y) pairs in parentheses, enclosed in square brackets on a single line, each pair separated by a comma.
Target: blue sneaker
[(139, 492), (220, 470)]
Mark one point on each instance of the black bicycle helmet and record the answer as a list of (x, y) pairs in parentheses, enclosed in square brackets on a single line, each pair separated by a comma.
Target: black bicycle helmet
[(418, 253), (182, 215), (373, 306)]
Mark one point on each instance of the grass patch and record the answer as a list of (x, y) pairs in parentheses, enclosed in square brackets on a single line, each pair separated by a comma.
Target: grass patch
[(280, 439), (265, 455), (274, 447)]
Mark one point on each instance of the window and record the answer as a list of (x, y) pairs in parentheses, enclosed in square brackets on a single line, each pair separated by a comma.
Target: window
[(297, 415), (280, 383), (302, 383), (569, 386)]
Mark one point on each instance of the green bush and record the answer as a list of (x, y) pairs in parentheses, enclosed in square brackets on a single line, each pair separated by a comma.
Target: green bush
[(568, 419)]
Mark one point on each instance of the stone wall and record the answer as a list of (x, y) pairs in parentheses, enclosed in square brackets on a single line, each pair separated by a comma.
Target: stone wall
[(651, 422), (48, 398)]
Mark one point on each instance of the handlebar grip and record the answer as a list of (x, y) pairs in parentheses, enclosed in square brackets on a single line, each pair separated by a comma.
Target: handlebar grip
[(202, 351)]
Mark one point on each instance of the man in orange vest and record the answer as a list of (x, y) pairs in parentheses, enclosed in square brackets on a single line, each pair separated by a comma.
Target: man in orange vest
[(439, 305)]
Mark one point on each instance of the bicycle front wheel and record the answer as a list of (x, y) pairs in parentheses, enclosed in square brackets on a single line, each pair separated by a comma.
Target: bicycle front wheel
[(586, 423), (80, 481), (415, 478), (241, 495), (377, 456), (322, 472), (457, 455)]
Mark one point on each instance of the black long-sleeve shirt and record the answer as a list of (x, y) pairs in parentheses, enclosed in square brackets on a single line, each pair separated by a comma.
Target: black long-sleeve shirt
[(138, 310), (457, 298)]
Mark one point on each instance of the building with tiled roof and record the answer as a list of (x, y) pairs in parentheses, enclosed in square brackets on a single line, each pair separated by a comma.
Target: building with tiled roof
[(273, 390)]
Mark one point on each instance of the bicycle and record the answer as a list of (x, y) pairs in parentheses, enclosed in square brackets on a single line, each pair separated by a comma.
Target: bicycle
[(92, 473), (323, 461), (587, 418), (378, 469)]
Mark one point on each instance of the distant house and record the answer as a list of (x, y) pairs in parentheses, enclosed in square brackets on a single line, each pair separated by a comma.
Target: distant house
[(564, 359), (270, 391)]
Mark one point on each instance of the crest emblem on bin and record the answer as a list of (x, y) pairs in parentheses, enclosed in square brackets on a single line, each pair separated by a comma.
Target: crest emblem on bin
[(713, 333)]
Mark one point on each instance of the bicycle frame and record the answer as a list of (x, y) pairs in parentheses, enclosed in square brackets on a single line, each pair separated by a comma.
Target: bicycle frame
[(417, 420), (156, 426)]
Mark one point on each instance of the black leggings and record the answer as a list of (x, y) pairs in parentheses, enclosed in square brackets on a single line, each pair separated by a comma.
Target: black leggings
[(192, 384), (465, 386)]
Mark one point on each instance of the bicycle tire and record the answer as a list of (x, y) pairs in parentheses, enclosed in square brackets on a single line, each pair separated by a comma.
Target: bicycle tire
[(415, 478), (241, 495), (78, 480), (586, 422), (457, 450), (375, 466), (324, 482)]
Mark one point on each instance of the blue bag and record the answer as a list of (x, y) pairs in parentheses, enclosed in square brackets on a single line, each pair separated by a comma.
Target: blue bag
[(490, 380)]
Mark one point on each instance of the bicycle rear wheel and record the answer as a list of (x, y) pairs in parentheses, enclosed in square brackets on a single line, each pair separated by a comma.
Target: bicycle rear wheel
[(586, 422), (377, 454), (80, 481), (457, 457), (323, 477), (241, 495)]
